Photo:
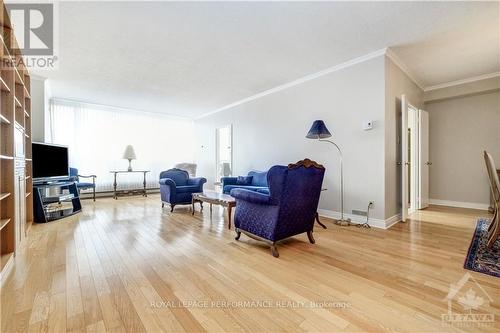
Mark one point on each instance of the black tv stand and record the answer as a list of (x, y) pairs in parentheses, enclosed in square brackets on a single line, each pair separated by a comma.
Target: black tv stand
[(43, 203)]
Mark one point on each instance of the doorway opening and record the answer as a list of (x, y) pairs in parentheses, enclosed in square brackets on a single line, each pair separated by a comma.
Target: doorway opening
[(224, 151), (414, 141)]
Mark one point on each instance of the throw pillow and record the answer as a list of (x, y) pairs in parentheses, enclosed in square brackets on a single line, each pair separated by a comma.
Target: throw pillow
[(244, 180)]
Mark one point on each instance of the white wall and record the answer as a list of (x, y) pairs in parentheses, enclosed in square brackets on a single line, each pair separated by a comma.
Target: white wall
[(460, 129), (271, 130), (397, 83)]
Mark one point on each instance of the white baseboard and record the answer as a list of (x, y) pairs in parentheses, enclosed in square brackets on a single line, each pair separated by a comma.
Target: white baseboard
[(109, 194), (356, 219), (459, 204), (392, 221)]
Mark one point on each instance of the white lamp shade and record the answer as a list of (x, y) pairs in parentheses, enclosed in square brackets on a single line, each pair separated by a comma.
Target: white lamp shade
[(129, 153)]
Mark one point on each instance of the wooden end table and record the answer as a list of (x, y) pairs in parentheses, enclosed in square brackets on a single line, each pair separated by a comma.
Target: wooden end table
[(215, 198), (115, 183)]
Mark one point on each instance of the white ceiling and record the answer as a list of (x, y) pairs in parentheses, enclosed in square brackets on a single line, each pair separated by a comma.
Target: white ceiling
[(187, 59)]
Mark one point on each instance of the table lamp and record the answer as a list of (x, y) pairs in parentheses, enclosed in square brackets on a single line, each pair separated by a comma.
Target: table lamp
[(129, 155)]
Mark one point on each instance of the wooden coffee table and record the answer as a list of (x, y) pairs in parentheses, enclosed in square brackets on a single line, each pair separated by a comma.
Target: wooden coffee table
[(215, 198)]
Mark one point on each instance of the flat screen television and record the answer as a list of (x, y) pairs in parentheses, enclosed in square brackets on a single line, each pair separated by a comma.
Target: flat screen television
[(50, 162)]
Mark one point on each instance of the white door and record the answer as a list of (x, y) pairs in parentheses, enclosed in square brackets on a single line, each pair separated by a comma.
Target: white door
[(423, 152), (404, 158)]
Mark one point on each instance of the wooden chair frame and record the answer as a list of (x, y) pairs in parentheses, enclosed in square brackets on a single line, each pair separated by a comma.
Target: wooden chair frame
[(494, 228), (93, 182)]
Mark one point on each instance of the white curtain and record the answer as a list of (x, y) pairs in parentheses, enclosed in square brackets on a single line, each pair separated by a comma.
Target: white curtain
[(97, 136)]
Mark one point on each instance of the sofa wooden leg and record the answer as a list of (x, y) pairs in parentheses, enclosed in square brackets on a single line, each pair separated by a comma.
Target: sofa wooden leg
[(274, 250), (238, 234), (310, 236), (172, 208), (162, 205), (319, 222)]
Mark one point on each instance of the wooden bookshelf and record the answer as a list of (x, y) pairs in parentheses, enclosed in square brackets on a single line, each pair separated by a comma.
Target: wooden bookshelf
[(4, 195), (15, 112), (4, 222)]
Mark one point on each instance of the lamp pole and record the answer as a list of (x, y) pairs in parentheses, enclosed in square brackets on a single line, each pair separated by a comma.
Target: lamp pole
[(320, 131), (342, 221)]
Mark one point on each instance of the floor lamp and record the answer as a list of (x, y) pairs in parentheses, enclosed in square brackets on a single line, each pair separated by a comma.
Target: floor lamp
[(320, 132)]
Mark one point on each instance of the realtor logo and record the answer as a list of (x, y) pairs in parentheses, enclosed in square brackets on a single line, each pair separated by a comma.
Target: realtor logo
[(35, 26), (466, 303)]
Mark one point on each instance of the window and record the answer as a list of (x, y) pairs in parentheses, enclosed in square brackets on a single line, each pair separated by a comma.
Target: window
[(97, 137)]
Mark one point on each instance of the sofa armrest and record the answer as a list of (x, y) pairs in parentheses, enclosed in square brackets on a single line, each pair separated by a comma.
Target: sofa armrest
[(251, 196), (167, 182), (168, 189), (198, 181), (228, 181)]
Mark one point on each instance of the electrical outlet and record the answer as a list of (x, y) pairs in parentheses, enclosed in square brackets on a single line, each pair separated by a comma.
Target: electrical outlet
[(368, 125)]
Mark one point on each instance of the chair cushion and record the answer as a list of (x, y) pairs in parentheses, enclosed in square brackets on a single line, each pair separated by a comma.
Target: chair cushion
[(244, 180), (83, 185), (187, 189), (228, 188), (250, 196), (259, 178)]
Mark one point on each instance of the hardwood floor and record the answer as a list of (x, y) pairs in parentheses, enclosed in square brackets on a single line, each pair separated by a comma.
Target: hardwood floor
[(130, 266)]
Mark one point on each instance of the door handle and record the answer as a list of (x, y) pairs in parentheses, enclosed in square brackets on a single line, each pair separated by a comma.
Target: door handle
[(428, 163), (407, 163), (399, 163)]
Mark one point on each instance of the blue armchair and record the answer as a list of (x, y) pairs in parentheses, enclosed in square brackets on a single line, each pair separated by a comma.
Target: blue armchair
[(74, 176), (254, 181), (289, 209), (176, 188)]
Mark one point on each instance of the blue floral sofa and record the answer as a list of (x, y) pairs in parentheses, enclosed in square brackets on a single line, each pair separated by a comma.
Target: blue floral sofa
[(253, 181)]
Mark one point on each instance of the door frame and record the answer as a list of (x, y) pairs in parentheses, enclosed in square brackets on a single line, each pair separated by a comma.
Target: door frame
[(423, 159), (404, 158)]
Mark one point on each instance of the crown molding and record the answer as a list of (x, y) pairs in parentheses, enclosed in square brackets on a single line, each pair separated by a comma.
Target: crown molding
[(388, 52), (398, 62), (463, 81), (301, 80)]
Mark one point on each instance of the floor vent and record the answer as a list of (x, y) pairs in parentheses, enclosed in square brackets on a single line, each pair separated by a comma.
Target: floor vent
[(358, 212)]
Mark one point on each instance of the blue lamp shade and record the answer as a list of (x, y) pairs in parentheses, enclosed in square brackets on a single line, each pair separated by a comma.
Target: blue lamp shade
[(318, 130)]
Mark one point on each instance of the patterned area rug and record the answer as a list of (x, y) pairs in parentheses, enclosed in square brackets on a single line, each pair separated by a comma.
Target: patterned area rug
[(479, 258)]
